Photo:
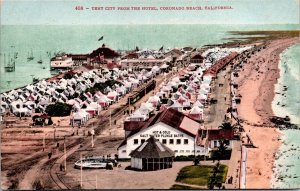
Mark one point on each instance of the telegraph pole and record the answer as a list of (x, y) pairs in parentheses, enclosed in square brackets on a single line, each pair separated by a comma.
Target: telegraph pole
[(92, 132), (80, 170), (96, 181), (65, 153)]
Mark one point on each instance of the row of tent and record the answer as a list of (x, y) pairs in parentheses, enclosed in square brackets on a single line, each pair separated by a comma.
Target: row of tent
[(195, 83)]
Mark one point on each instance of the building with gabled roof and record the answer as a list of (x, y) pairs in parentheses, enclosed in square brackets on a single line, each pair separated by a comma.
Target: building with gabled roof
[(171, 127)]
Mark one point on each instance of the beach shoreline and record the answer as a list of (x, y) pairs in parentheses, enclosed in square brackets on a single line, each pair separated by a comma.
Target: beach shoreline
[(257, 87)]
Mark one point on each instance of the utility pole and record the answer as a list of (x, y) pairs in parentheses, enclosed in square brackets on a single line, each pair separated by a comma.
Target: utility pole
[(54, 134), (65, 153), (109, 122), (92, 132), (129, 105), (96, 181), (80, 170), (44, 144)]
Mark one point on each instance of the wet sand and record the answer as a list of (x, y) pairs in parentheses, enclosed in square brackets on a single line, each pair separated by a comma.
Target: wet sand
[(256, 85)]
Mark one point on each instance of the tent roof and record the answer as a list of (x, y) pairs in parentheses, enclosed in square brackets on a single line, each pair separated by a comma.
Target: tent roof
[(152, 148), (196, 110)]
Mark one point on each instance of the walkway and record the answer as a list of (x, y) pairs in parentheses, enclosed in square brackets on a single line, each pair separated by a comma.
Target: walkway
[(234, 166), (214, 114)]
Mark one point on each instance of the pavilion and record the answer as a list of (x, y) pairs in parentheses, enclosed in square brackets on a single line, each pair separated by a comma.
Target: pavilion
[(152, 155)]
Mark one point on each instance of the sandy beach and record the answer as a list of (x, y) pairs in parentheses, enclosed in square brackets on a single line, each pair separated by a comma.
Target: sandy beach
[(256, 86)]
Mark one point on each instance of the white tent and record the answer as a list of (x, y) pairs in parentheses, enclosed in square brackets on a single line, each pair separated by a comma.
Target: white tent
[(196, 110), (137, 116), (202, 98), (198, 104), (146, 107), (112, 95), (154, 100), (80, 117)]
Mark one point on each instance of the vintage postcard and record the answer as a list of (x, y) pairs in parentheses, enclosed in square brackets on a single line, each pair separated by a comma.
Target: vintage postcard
[(150, 94)]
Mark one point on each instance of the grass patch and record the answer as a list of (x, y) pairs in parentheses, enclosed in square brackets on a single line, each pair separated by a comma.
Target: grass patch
[(199, 175), (182, 187)]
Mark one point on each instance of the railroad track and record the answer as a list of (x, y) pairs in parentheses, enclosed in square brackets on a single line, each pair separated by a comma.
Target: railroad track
[(99, 126), (54, 175)]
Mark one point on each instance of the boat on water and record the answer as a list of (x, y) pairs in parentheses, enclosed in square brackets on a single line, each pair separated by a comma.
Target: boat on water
[(95, 163), (40, 61), (30, 56), (10, 67), (35, 80)]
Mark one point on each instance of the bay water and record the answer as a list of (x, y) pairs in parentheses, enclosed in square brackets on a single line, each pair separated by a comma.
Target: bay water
[(45, 39)]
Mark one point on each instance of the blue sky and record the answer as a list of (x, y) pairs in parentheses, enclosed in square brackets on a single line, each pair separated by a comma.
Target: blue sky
[(38, 12)]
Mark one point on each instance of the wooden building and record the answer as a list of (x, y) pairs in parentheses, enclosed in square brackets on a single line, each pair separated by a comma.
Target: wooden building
[(171, 127), (196, 58), (103, 55), (152, 155)]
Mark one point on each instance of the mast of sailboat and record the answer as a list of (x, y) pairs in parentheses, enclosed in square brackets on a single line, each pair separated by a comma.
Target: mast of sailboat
[(8, 59)]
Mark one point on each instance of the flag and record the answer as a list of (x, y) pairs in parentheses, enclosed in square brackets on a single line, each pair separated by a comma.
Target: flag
[(101, 38), (161, 48)]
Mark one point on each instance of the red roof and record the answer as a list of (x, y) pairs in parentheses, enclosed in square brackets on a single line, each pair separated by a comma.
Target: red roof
[(133, 125), (169, 116), (112, 65), (132, 55), (197, 56), (217, 134), (104, 51), (220, 64)]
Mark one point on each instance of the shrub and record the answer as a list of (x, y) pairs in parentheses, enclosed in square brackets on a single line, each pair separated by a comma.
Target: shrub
[(68, 76), (58, 109)]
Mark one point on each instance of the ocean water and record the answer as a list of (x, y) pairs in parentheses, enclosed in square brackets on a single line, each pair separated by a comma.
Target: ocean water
[(84, 38), (287, 163)]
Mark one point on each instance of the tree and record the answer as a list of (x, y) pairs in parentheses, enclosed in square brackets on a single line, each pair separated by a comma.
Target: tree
[(68, 76), (50, 122), (221, 149), (215, 178), (59, 109), (226, 125)]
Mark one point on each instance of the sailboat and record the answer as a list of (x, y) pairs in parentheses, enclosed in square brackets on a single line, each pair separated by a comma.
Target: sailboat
[(30, 57), (11, 64), (40, 60)]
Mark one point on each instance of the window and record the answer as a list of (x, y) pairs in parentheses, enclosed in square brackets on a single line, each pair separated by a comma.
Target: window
[(176, 151), (198, 151), (164, 141), (123, 151), (215, 143), (135, 141), (181, 151), (185, 141), (142, 141), (187, 151), (171, 141), (178, 141)]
